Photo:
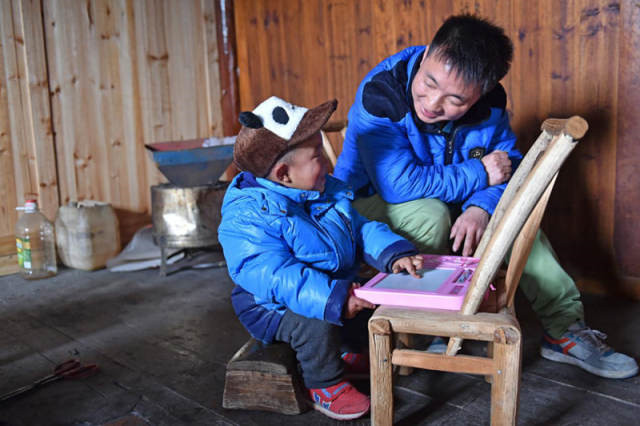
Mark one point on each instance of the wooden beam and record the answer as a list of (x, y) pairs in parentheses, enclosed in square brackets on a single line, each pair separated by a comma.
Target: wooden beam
[(226, 36), (516, 181), (576, 126), (455, 364)]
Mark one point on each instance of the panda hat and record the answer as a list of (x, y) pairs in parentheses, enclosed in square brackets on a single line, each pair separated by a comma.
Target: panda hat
[(273, 128)]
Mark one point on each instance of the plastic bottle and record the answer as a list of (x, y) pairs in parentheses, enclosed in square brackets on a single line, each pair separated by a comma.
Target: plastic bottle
[(35, 243)]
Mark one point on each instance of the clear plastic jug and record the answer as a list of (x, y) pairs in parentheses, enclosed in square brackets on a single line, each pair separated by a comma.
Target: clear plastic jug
[(35, 243)]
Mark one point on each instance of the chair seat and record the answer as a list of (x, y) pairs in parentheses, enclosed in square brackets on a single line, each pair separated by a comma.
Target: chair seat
[(480, 326)]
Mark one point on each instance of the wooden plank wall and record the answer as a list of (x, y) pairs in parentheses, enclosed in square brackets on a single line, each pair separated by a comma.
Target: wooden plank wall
[(85, 85), (566, 62), (27, 153), (627, 214), (124, 74)]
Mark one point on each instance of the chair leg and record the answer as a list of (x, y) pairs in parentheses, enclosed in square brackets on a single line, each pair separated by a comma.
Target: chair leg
[(505, 389), (404, 340), (489, 378), (381, 372)]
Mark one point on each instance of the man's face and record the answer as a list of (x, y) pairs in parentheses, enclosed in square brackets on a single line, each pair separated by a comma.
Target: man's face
[(308, 166), (439, 94)]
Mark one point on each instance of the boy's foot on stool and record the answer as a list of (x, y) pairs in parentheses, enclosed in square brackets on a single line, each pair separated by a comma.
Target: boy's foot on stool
[(585, 348), (356, 365), (340, 401)]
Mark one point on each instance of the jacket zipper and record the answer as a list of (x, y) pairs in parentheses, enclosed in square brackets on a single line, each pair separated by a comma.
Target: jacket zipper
[(448, 156), (328, 234)]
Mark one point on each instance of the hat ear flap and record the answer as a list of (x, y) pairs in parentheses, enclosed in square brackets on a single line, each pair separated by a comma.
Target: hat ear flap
[(250, 120)]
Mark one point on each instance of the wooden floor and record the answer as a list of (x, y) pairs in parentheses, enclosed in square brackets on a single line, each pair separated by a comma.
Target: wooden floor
[(162, 344)]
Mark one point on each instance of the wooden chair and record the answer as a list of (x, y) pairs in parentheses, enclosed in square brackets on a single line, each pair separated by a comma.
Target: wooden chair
[(332, 127), (517, 217)]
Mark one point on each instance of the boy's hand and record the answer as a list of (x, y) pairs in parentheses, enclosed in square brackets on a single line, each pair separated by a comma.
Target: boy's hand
[(411, 264), (498, 167), (355, 304)]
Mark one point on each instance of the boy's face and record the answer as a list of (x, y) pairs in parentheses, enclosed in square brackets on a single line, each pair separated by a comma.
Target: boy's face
[(439, 94), (308, 165)]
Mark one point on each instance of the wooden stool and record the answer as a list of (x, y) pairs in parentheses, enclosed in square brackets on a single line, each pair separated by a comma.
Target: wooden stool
[(265, 377)]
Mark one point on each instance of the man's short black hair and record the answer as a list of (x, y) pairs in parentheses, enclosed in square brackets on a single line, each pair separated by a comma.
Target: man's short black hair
[(475, 48)]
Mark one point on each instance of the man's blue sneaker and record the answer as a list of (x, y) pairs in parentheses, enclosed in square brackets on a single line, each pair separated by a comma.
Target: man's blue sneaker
[(585, 348), (437, 346)]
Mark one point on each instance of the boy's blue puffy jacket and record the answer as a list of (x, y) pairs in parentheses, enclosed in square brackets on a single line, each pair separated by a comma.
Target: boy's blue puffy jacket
[(389, 151), (295, 249)]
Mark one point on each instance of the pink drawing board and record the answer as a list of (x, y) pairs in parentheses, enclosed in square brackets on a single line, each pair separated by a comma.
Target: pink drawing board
[(444, 284)]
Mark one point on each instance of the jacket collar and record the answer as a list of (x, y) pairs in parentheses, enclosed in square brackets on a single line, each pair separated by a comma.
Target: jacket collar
[(279, 198), (294, 194)]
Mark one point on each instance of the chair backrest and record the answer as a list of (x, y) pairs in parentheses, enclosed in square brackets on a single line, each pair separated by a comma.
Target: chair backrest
[(331, 127), (517, 217)]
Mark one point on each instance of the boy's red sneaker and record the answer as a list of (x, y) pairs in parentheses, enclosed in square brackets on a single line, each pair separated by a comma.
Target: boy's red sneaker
[(341, 401), (356, 365)]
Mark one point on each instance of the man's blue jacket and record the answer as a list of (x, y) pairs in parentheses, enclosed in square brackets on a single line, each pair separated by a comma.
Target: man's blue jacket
[(389, 151), (296, 249)]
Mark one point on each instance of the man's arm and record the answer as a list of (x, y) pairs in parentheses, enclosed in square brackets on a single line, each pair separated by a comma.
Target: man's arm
[(398, 175), (502, 159)]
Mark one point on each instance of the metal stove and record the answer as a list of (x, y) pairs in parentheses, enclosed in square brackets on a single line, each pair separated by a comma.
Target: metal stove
[(185, 212)]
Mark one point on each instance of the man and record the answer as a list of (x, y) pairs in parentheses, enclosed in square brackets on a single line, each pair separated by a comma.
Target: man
[(429, 141)]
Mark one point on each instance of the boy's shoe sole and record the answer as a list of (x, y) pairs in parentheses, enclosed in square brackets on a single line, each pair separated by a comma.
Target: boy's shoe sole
[(337, 416), (552, 355)]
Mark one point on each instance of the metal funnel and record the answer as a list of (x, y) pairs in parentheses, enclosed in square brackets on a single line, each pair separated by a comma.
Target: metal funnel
[(193, 162)]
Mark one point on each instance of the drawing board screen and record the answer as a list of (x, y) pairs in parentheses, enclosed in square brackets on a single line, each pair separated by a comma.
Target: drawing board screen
[(431, 280)]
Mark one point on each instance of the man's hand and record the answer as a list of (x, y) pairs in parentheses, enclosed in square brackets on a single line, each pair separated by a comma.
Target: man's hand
[(498, 167), (469, 228), (411, 264), (355, 304)]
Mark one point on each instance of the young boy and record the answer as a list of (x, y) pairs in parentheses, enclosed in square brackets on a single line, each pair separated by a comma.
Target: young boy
[(293, 245)]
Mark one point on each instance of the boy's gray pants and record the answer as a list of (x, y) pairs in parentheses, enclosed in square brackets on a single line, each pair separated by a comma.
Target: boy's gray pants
[(319, 345)]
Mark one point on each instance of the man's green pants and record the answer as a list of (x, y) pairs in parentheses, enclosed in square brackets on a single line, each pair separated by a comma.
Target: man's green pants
[(427, 223)]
